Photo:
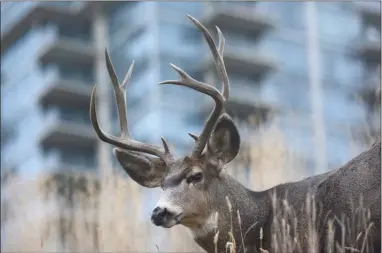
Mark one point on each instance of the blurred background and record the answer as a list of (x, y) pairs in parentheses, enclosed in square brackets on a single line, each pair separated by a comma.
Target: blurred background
[(305, 93)]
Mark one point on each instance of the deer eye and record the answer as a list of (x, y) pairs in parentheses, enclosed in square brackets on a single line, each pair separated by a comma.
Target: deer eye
[(195, 178)]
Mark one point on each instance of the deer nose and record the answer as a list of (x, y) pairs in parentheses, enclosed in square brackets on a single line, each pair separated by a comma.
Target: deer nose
[(159, 214)]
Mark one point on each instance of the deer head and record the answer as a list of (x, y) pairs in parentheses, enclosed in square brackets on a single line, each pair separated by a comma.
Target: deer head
[(191, 183)]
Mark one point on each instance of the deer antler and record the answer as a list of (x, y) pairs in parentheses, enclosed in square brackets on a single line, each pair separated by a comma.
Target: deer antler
[(220, 98), (125, 141)]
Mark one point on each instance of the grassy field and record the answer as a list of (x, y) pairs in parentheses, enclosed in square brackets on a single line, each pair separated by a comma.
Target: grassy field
[(112, 214)]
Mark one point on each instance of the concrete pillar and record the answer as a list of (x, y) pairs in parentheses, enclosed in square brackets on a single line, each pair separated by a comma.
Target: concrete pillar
[(314, 62), (100, 35), (155, 99), (104, 89)]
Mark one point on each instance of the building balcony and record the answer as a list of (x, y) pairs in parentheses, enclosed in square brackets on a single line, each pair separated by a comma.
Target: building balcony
[(240, 16), (367, 49), (368, 89), (245, 93), (65, 49), (63, 90), (246, 99), (7, 132), (67, 130), (26, 15), (243, 62), (242, 110), (370, 11), (370, 96)]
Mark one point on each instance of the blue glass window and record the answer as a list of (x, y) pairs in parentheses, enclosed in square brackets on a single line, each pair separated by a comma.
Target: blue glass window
[(295, 58), (291, 14), (340, 108), (70, 114), (78, 30), (239, 39), (138, 44), (346, 26), (192, 8), (339, 7), (119, 16), (181, 40), (76, 72), (75, 115), (336, 66), (292, 56)]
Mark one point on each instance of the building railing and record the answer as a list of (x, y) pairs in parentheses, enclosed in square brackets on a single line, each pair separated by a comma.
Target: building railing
[(369, 5), (245, 91), (131, 16), (254, 52), (14, 13), (237, 7), (247, 9), (17, 10), (65, 5), (72, 116), (369, 36), (27, 49), (54, 115), (53, 73), (368, 80)]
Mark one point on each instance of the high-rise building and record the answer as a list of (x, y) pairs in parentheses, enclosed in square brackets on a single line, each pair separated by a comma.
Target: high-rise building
[(367, 50), (300, 62), (289, 59), (47, 58)]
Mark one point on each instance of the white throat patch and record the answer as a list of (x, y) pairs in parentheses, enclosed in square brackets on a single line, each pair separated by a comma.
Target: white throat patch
[(208, 227)]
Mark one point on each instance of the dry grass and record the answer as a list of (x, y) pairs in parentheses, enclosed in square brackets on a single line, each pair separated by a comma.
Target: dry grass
[(112, 215)]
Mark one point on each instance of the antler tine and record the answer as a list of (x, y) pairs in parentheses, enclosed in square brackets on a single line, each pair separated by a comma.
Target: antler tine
[(186, 80), (217, 54), (125, 140), (119, 91), (193, 136), (220, 98), (221, 42)]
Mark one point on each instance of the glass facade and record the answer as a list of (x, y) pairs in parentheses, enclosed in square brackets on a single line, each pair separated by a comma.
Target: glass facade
[(153, 34), (29, 107)]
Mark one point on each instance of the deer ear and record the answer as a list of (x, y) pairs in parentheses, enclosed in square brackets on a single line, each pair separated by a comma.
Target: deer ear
[(143, 169), (224, 143)]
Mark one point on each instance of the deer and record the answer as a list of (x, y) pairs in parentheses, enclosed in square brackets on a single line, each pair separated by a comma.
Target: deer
[(198, 193)]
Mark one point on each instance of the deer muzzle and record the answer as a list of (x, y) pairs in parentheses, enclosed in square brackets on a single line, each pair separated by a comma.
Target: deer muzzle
[(164, 218)]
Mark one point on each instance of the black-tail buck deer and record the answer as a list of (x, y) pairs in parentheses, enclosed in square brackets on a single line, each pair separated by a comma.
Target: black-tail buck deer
[(196, 187)]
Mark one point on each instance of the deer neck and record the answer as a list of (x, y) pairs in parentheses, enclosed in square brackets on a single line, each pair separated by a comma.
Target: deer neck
[(253, 208)]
